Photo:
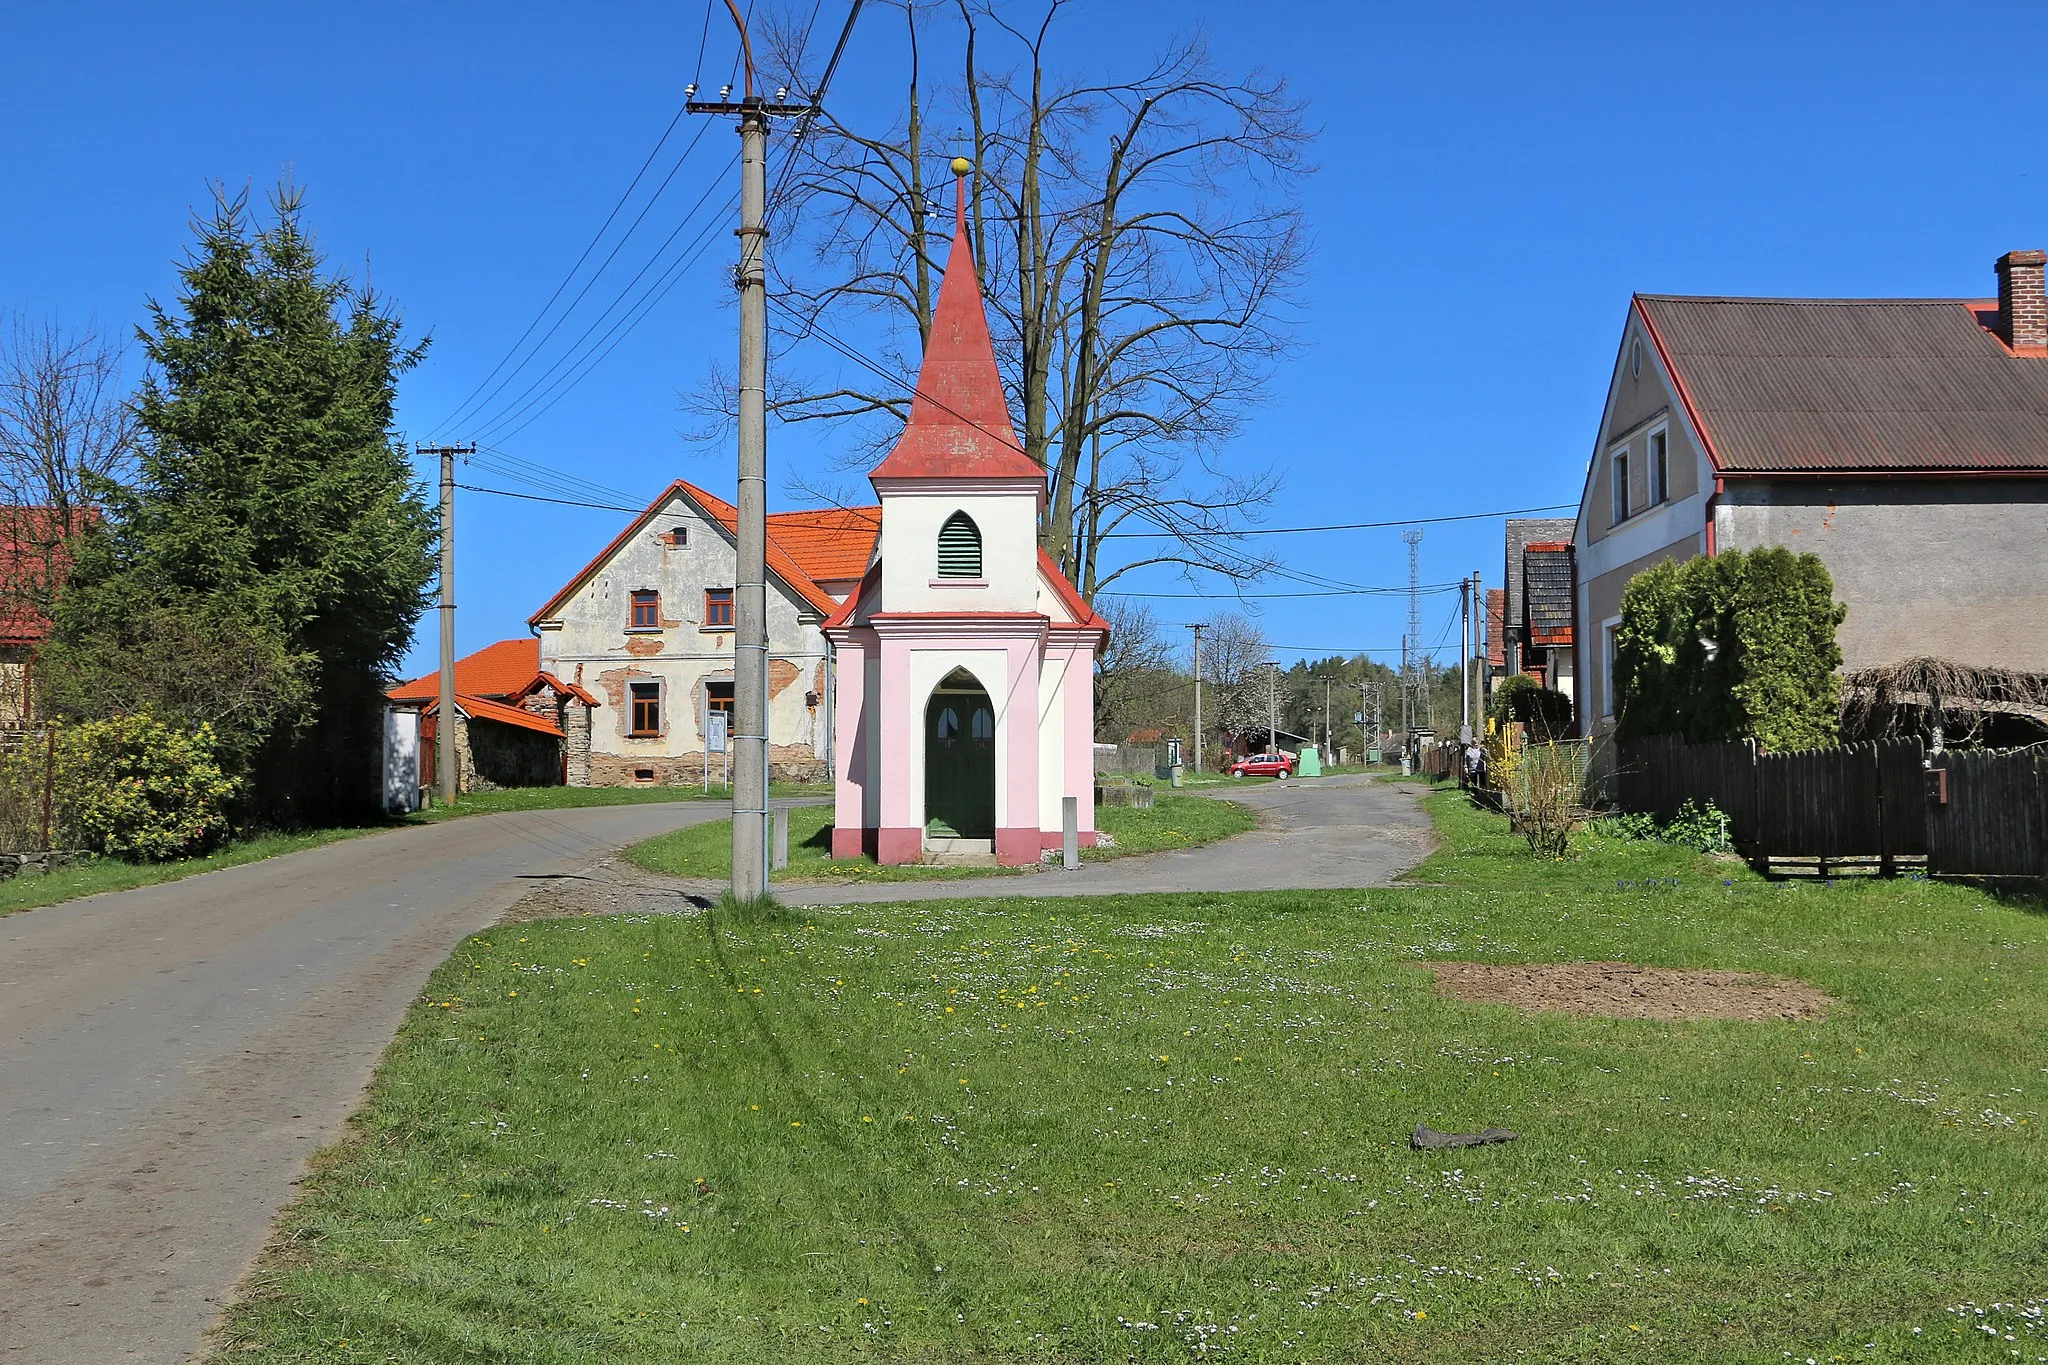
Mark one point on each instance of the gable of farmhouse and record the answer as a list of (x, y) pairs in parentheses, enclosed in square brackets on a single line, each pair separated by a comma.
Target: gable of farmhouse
[(1903, 441), (647, 627)]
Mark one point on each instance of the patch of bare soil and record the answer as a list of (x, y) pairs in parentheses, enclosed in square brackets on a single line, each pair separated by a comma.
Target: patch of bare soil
[(1624, 990)]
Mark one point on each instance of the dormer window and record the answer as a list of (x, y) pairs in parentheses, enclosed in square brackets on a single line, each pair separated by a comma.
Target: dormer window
[(959, 547)]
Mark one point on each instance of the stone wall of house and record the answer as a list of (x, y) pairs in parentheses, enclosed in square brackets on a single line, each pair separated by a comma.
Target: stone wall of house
[(576, 743), (493, 756), (786, 763)]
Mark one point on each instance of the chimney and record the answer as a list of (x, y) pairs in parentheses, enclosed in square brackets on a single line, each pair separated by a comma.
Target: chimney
[(2023, 301)]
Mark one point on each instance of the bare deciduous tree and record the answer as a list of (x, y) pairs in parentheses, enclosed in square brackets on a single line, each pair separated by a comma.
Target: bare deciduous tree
[(1137, 236), (66, 429), (1135, 680), (1234, 668)]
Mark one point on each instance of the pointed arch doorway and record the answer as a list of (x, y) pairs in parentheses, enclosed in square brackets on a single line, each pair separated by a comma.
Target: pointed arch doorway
[(960, 760)]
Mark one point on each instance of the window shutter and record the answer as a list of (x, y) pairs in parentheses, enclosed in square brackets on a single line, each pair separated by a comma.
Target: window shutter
[(959, 548)]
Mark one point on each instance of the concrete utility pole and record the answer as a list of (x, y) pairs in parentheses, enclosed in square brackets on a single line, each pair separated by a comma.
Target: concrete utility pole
[(1329, 737), (446, 778), (750, 841), (1198, 627), (1479, 663), (1272, 706), (1464, 656)]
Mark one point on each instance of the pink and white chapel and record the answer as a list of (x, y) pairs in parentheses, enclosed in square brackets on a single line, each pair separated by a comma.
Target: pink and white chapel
[(965, 660)]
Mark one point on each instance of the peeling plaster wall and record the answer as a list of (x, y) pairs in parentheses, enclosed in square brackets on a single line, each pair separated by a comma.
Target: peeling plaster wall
[(590, 643)]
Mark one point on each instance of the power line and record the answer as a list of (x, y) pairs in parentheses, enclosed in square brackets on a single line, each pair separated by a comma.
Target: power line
[(596, 275), (536, 497), (597, 237), (1347, 526), (1270, 596), (563, 375)]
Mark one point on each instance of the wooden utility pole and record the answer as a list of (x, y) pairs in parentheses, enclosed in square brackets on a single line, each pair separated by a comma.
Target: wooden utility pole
[(750, 842), (446, 779), (1198, 628)]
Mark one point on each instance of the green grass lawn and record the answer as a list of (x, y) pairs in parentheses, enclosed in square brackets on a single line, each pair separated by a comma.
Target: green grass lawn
[(706, 850), (1174, 1127)]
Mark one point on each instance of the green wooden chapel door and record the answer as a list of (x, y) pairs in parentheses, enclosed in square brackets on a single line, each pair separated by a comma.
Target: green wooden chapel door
[(960, 762)]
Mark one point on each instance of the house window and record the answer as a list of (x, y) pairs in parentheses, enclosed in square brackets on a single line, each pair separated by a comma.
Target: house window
[(1660, 472), (718, 697), (718, 608), (1619, 480), (959, 547), (678, 536), (1635, 360), (646, 704), (646, 610)]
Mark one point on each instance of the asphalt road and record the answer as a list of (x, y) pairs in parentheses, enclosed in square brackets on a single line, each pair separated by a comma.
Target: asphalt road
[(1316, 832), (169, 1056)]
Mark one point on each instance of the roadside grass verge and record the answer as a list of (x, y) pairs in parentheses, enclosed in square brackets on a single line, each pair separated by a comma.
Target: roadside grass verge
[(111, 874), (705, 851), (1174, 1127)]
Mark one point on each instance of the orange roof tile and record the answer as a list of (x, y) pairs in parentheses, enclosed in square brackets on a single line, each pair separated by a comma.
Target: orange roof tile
[(497, 670), (482, 708), (828, 543)]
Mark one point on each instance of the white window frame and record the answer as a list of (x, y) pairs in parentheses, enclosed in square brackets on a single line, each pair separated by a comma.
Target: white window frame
[(1658, 469), (1608, 629), (1617, 486)]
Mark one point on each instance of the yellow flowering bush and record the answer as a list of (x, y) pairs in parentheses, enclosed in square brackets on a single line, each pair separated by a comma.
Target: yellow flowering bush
[(132, 787)]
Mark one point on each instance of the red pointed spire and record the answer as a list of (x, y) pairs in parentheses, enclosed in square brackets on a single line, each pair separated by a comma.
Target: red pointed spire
[(959, 423)]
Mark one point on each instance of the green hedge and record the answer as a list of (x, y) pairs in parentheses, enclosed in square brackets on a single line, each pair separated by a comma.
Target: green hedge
[(1741, 645)]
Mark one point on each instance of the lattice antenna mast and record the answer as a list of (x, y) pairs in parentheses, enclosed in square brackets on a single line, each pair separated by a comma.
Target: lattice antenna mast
[(1412, 645)]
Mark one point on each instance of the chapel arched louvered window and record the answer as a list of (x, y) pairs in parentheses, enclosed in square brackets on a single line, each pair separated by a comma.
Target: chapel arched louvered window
[(959, 547)]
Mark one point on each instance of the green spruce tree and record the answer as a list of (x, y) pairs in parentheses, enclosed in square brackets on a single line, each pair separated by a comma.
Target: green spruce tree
[(265, 569)]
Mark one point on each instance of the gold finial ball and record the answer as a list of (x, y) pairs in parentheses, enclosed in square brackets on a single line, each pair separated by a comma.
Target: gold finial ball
[(961, 165)]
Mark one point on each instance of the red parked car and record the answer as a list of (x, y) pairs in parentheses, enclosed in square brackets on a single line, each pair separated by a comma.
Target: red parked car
[(1263, 765)]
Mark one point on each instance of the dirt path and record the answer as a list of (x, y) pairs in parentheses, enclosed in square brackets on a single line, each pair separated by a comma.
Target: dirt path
[(169, 1056)]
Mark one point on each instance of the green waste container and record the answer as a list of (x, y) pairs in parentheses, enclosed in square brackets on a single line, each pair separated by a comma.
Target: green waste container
[(1311, 764)]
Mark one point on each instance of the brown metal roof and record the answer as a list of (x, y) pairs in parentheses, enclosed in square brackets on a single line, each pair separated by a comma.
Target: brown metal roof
[(1523, 532), (1853, 384), (1547, 568)]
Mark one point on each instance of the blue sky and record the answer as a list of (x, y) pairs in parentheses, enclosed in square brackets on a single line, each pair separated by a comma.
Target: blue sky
[(1493, 182)]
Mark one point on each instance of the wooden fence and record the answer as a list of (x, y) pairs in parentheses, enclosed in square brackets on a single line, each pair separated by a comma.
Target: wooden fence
[(1968, 813)]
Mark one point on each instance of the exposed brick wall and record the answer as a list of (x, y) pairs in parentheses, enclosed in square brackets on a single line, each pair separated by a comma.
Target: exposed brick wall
[(2023, 299)]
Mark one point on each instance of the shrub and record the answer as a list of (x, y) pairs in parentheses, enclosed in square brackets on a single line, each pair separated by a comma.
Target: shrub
[(1703, 828), (1734, 647), (1544, 711), (131, 786), (1635, 825), (1545, 799)]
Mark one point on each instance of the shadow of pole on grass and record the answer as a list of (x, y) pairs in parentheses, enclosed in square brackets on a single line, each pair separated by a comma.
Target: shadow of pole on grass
[(764, 911)]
